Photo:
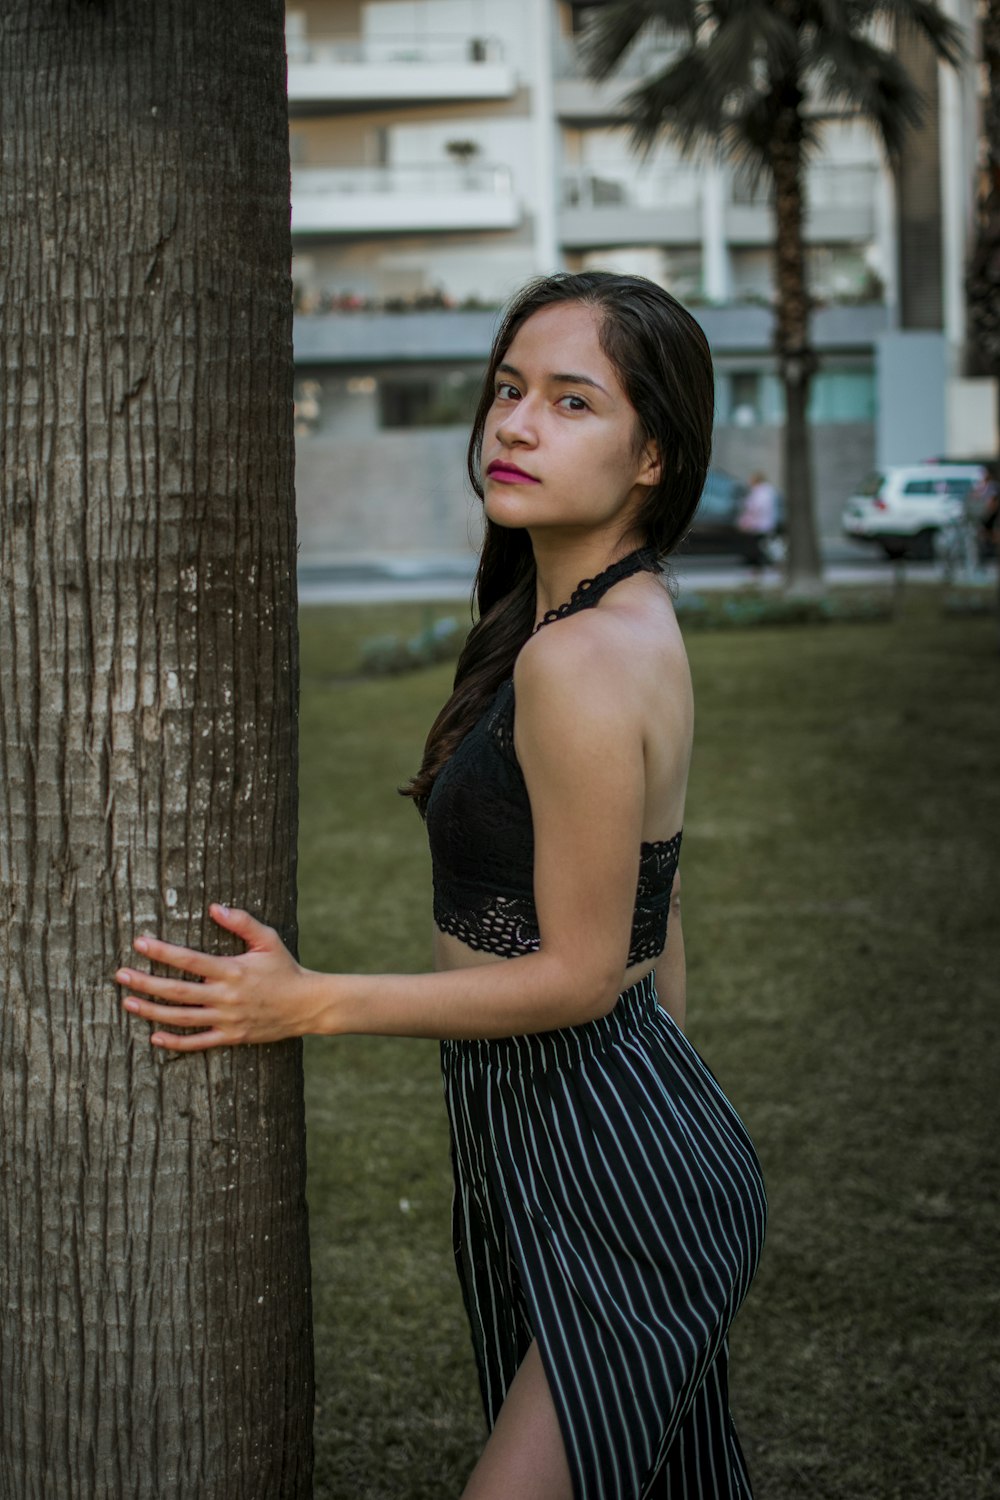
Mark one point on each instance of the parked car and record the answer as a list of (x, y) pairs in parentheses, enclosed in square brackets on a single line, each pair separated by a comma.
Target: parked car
[(902, 509), (714, 530)]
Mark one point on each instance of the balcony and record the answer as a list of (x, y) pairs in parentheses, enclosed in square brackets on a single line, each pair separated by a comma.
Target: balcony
[(339, 73), (360, 338), (363, 338), (613, 206), (402, 200), (581, 101), (840, 207)]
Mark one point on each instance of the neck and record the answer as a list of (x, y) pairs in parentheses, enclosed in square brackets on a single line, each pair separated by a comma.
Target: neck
[(563, 562)]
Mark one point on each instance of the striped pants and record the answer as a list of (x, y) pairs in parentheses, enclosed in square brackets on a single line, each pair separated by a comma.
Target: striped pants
[(608, 1202)]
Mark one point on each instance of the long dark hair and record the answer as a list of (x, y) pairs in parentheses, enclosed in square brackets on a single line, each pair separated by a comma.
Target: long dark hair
[(662, 358)]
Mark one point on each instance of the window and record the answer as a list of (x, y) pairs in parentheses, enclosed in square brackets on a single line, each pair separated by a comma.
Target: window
[(744, 398), (757, 397), (842, 396), (951, 486), (433, 399)]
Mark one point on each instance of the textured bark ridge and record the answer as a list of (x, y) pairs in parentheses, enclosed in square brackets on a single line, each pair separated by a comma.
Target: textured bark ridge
[(983, 279), (154, 1282)]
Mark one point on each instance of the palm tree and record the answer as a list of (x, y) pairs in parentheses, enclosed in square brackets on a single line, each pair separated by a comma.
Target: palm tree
[(983, 280), (154, 1279), (754, 80)]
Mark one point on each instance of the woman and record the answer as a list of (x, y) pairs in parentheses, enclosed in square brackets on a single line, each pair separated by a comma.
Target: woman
[(608, 1204), (758, 519)]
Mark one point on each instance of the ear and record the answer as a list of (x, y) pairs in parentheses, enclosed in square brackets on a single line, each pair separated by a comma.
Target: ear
[(650, 465)]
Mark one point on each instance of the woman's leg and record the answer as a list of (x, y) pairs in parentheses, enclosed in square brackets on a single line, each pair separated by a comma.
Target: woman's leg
[(525, 1455)]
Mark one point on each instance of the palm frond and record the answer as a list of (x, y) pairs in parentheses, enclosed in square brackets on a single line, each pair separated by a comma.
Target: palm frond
[(748, 34), (746, 142), (747, 138), (925, 18), (871, 81), (683, 99), (616, 26)]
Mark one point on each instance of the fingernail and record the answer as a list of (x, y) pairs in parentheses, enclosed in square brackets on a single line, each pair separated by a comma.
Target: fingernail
[(131, 1004), (223, 909), (123, 976), (141, 944), (157, 1041)]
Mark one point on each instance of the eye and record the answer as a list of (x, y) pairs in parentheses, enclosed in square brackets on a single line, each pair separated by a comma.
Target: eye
[(505, 391), (576, 403)]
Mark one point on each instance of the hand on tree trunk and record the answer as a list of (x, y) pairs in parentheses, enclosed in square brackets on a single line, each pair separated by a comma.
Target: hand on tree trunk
[(256, 996)]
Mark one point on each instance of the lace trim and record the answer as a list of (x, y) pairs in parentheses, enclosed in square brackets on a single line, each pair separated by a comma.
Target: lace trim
[(590, 591), (506, 925)]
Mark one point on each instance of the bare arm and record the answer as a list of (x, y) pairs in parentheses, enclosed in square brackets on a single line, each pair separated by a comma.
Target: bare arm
[(579, 743)]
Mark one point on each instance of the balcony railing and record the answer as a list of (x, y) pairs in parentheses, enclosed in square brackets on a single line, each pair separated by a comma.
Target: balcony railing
[(437, 49), (590, 188), (828, 185), (638, 63), (404, 181), (351, 200)]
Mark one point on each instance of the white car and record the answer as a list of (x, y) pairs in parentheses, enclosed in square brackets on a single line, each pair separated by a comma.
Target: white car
[(902, 509)]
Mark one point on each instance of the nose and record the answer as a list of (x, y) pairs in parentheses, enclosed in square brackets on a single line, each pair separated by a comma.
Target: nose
[(518, 426)]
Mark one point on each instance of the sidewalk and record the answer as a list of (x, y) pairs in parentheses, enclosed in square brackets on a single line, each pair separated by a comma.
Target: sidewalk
[(368, 580)]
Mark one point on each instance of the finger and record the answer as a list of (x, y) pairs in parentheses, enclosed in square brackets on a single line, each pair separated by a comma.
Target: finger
[(170, 1015), (180, 991), (255, 934), (175, 957), (199, 1041)]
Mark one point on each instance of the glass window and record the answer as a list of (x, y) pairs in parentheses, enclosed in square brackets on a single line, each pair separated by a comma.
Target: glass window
[(842, 396), (948, 486), (445, 399), (744, 398)]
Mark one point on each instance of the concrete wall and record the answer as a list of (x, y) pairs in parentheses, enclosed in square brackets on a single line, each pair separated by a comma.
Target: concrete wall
[(406, 493), (402, 494), (912, 384)]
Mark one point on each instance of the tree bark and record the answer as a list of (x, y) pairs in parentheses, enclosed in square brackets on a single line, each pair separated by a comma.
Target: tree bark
[(796, 357), (983, 277), (154, 1290)]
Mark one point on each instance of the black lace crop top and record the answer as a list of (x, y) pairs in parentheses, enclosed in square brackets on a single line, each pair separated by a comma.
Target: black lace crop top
[(480, 832)]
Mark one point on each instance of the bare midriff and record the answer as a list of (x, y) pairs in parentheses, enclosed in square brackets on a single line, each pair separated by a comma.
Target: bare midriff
[(451, 953)]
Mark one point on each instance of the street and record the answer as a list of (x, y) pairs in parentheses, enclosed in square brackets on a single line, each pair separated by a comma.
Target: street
[(378, 581)]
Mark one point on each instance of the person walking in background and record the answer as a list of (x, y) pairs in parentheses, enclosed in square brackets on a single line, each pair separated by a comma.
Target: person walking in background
[(984, 500), (609, 1207), (758, 519)]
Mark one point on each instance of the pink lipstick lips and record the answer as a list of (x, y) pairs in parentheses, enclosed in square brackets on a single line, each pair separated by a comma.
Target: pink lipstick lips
[(509, 473)]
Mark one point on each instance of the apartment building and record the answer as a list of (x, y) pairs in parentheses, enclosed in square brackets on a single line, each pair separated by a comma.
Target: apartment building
[(443, 151)]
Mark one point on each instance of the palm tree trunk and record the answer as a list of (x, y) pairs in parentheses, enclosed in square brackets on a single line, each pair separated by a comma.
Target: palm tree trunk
[(983, 283), (154, 1292), (796, 357)]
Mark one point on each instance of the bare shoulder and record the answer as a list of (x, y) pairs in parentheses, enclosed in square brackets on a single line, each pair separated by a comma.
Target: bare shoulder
[(604, 708), (628, 654)]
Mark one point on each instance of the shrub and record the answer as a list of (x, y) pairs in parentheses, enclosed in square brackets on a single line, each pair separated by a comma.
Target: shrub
[(387, 655)]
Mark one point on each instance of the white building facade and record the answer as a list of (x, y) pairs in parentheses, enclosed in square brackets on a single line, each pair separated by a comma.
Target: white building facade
[(444, 151)]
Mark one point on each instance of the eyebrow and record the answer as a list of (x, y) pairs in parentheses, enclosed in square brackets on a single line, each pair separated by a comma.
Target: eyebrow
[(558, 378)]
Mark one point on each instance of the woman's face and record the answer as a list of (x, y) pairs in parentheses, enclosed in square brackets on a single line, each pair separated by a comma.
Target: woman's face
[(559, 444)]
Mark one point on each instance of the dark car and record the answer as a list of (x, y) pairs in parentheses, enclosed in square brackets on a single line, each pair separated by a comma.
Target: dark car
[(714, 530)]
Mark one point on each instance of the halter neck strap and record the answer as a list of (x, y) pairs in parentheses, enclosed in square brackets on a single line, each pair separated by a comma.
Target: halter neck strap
[(590, 591)]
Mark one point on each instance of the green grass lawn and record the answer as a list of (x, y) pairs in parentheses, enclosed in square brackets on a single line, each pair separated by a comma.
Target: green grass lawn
[(842, 886)]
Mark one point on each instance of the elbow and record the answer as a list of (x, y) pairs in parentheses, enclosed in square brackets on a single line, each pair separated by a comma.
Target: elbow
[(601, 990), (590, 989)]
